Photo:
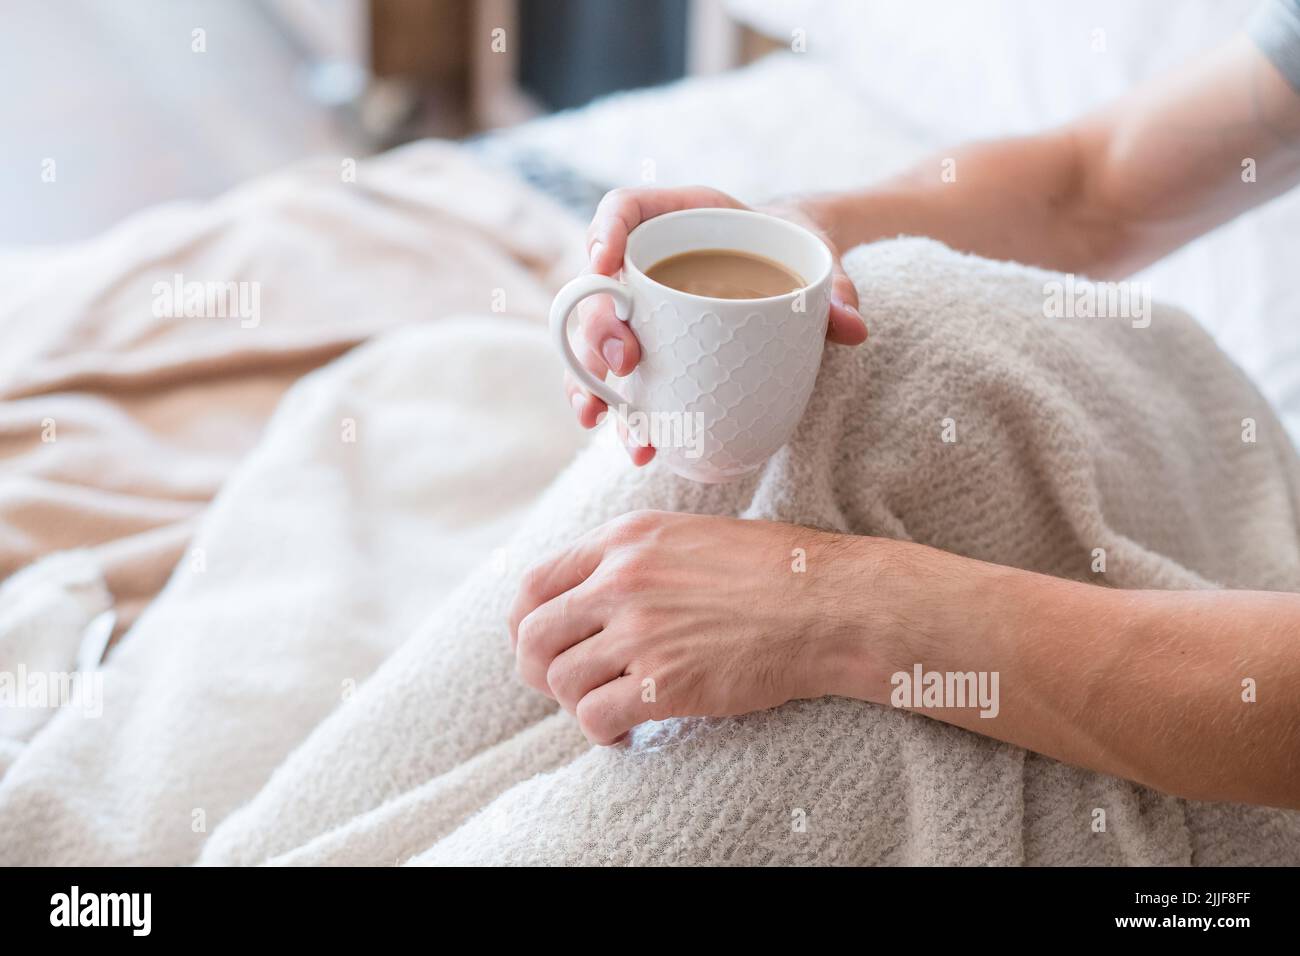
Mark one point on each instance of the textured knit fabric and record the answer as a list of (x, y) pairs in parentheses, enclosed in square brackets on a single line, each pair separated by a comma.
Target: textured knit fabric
[(119, 421), (1071, 435)]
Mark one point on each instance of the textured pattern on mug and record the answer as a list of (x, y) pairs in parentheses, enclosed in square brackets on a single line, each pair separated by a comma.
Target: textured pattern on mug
[(700, 364)]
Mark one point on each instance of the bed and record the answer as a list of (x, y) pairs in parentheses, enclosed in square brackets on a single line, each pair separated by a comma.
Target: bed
[(135, 438)]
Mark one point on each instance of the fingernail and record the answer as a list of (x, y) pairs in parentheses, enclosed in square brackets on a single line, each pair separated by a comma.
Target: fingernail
[(853, 314), (596, 249), (612, 349)]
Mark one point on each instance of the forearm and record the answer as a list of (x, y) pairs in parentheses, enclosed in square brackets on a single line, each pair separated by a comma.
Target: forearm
[(1109, 193), (1146, 685), (1013, 199)]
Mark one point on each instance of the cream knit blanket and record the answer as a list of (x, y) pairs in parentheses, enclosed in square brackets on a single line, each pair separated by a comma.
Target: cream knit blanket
[(239, 726)]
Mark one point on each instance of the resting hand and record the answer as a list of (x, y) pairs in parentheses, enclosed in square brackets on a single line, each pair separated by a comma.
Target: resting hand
[(606, 344), (657, 615)]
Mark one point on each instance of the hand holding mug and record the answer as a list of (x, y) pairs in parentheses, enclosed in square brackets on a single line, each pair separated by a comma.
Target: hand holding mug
[(606, 344), (717, 374)]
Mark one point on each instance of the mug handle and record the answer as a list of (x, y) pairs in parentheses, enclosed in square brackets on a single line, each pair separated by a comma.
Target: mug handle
[(565, 302)]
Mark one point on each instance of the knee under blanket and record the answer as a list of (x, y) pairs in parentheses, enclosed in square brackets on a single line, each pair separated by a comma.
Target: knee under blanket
[(307, 700)]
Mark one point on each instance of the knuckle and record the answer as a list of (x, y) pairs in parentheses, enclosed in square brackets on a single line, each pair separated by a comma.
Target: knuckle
[(611, 205), (606, 582), (559, 681), (633, 534), (529, 638), (630, 575), (633, 525), (621, 641), (632, 561), (531, 680), (530, 581), (533, 676), (644, 661), (619, 196), (594, 723)]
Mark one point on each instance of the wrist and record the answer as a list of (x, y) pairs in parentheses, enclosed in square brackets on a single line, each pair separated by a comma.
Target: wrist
[(906, 605), (868, 628), (822, 211)]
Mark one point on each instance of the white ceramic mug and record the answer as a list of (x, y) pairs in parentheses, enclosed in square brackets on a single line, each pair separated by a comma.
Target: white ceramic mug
[(722, 383)]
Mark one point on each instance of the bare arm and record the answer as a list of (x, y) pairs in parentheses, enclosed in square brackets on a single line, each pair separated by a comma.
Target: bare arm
[(1109, 193), (1146, 685)]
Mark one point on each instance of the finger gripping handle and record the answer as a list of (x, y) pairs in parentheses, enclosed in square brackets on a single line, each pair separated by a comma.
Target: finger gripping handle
[(565, 302)]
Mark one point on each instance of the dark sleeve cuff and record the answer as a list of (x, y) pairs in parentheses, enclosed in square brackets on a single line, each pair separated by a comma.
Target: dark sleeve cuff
[(1275, 28)]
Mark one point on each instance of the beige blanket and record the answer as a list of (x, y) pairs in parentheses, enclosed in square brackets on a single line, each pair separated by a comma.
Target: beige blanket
[(311, 692), (120, 416)]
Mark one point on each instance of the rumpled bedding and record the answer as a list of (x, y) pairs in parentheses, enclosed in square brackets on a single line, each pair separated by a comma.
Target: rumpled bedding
[(118, 424), (326, 676)]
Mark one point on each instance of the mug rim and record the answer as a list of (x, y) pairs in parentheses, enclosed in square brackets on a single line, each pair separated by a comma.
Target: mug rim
[(824, 276)]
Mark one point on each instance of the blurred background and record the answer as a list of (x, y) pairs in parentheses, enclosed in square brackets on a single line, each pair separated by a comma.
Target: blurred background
[(145, 101)]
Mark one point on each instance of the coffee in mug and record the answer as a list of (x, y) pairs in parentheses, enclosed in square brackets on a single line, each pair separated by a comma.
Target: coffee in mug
[(725, 274)]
